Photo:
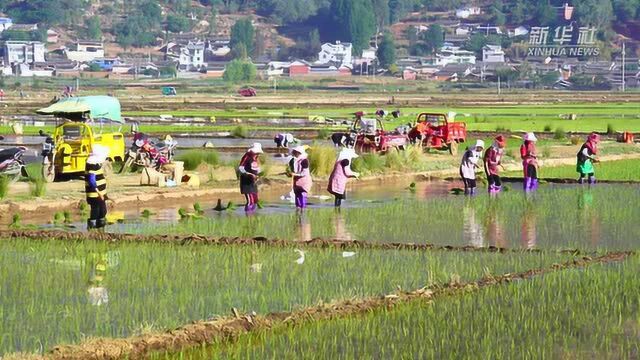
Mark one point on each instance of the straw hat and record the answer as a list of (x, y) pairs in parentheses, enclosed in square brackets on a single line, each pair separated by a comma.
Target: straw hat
[(256, 148), (98, 155)]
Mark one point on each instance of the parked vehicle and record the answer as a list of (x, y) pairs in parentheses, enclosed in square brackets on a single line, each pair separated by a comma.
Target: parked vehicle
[(81, 124), (169, 91), (247, 92), (11, 163), (370, 136), (438, 131), (146, 153)]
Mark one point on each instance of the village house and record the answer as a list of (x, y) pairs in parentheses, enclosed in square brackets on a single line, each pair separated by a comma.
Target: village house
[(52, 37), (85, 51), (23, 52), (24, 27), (466, 12), (5, 23), (299, 68), (449, 54), (190, 56), (492, 54), (338, 53)]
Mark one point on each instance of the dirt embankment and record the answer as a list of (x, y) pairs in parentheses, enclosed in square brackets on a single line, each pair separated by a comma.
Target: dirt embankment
[(59, 235), (230, 328)]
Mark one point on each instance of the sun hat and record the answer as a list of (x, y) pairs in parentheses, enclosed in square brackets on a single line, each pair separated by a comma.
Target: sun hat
[(479, 143), (98, 155), (256, 148), (593, 137), (530, 137), (300, 150), (347, 154)]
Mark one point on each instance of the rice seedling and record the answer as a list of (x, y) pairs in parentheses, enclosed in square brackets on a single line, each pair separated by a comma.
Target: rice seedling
[(323, 134), (38, 187), (194, 158), (16, 220), (115, 290), (592, 313), (4, 186), (611, 130), (370, 163), (240, 131), (547, 128), (559, 133), (322, 159)]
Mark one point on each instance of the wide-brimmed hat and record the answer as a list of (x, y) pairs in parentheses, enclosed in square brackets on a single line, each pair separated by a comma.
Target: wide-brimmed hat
[(530, 137), (347, 154), (98, 155), (300, 150), (256, 148), (479, 143)]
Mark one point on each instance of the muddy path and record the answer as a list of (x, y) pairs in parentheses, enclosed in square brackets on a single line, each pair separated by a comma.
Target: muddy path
[(194, 239), (227, 330)]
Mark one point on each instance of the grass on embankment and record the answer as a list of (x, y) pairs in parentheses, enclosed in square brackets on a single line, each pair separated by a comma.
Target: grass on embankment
[(589, 313), (618, 170), (151, 287)]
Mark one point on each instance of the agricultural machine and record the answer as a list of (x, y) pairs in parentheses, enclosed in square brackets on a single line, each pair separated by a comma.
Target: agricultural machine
[(438, 131), (370, 136), (247, 92)]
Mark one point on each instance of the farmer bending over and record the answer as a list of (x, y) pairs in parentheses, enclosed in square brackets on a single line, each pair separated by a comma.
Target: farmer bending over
[(284, 140), (302, 180), (340, 174), (469, 165), (586, 158)]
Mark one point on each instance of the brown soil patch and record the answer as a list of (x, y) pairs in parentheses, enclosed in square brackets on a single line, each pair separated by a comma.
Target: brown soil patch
[(230, 328)]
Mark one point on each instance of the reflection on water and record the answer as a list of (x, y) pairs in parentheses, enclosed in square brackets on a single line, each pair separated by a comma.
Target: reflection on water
[(590, 219), (341, 232), (528, 237), (472, 229), (494, 225), (303, 227), (97, 291)]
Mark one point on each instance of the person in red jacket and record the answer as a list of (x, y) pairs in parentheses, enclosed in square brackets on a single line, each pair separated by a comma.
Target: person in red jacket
[(529, 155), (492, 162)]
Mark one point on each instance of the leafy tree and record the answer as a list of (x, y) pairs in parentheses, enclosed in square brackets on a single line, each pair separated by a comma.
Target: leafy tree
[(433, 38), (178, 24), (16, 35), (239, 70), (354, 22), (94, 67), (287, 11), (242, 33), (519, 12), (626, 9), (386, 51), (545, 14), (598, 13), (93, 29), (381, 10)]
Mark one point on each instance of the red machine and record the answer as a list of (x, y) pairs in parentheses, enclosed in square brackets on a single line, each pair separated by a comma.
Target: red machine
[(371, 137), (438, 132), (247, 92)]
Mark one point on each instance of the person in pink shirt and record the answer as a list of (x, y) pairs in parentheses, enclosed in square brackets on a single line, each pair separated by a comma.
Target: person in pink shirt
[(341, 174), (492, 162)]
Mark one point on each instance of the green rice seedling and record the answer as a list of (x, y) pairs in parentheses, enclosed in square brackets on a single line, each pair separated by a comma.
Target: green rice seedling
[(369, 163), (146, 213), (4, 186), (394, 161), (611, 130), (194, 158), (198, 208), (58, 218), (560, 134), (240, 131), (323, 134), (546, 152), (160, 287), (567, 314), (68, 218), (16, 221), (547, 128), (322, 159), (38, 187)]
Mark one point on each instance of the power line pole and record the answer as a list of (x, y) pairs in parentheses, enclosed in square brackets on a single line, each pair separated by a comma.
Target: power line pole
[(624, 53)]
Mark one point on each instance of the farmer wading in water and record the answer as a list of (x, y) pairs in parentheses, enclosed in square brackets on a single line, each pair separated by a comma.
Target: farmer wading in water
[(96, 187), (587, 157), (529, 156), (249, 170)]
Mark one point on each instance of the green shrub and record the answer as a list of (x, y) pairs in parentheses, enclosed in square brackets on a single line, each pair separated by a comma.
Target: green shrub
[(193, 158), (559, 134), (575, 140), (4, 186), (322, 159), (240, 131), (38, 187), (610, 129), (547, 128), (393, 160)]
